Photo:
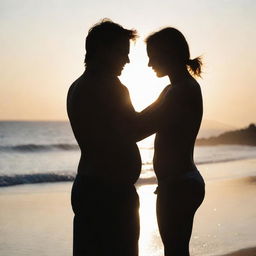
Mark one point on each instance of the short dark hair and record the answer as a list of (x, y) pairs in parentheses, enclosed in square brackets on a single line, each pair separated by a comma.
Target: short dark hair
[(105, 33), (172, 39)]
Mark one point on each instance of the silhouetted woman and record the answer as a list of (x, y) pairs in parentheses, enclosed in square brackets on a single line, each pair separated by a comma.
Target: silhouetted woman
[(176, 119)]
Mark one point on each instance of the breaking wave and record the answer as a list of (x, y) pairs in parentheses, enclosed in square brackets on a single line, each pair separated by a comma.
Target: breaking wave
[(39, 147)]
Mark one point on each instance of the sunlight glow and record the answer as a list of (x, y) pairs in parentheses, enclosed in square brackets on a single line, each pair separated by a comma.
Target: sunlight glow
[(150, 241), (141, 80)]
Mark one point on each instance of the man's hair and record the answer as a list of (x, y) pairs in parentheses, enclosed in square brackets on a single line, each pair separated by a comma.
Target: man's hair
[(105, 33)]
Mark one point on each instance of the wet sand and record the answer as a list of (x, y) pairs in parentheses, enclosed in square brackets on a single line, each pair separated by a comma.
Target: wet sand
[(244, 252), (37, 219)]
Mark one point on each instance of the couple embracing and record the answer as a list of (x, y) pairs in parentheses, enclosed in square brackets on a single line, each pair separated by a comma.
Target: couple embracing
[(106, 127)]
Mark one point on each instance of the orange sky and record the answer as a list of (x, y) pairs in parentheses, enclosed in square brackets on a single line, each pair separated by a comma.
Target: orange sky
[(42, 50)]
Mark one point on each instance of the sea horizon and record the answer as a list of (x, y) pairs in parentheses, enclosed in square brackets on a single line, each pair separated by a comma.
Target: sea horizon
[(39, 152)]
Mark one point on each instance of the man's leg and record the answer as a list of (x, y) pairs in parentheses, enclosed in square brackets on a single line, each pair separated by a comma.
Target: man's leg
[(106, 221)]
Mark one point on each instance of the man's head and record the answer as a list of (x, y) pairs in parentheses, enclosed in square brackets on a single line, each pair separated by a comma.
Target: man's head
[(107, 46)]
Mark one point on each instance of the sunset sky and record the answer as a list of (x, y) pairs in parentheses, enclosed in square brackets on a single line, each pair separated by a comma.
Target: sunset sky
[(42, 51)]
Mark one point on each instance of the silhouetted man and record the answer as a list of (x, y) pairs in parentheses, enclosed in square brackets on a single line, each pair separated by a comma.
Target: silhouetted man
[(104, 199)]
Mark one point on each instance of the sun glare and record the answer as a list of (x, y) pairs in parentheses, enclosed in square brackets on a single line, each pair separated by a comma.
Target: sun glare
[(141, 80), (150, 242)]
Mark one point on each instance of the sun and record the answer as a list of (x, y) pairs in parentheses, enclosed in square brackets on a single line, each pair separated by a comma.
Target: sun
[(143, 85)]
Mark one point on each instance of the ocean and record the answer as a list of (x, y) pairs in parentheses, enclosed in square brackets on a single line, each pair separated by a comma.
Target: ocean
[(38, 152)]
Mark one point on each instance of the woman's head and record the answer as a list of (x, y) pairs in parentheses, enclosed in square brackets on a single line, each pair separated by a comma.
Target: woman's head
[(168, 49)]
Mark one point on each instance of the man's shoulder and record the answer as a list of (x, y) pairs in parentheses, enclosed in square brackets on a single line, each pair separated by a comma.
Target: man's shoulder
[(84, 85), (80, 92), (76, 83)]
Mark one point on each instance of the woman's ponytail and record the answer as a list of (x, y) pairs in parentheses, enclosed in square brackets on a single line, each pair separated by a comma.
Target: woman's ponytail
[(195, 66)]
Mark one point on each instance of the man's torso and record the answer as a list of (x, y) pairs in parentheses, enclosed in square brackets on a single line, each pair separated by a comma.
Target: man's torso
[(101, 116)]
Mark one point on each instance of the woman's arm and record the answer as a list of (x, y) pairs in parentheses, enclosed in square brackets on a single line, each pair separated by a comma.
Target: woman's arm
[(149, 120)]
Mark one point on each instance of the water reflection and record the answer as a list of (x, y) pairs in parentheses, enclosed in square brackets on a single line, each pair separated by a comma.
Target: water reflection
[(150, 242)]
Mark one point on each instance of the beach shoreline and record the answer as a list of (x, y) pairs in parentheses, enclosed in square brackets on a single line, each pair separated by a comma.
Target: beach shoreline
[(37, 219)]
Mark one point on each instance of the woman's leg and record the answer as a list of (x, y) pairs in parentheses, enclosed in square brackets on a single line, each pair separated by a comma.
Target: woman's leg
[(176, 206)]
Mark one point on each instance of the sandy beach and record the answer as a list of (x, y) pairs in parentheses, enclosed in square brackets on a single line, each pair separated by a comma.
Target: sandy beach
[(37, 219), (244, 252)]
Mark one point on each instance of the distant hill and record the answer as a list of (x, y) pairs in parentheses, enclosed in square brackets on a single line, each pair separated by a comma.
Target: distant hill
[(245, 136), (213, 128)]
